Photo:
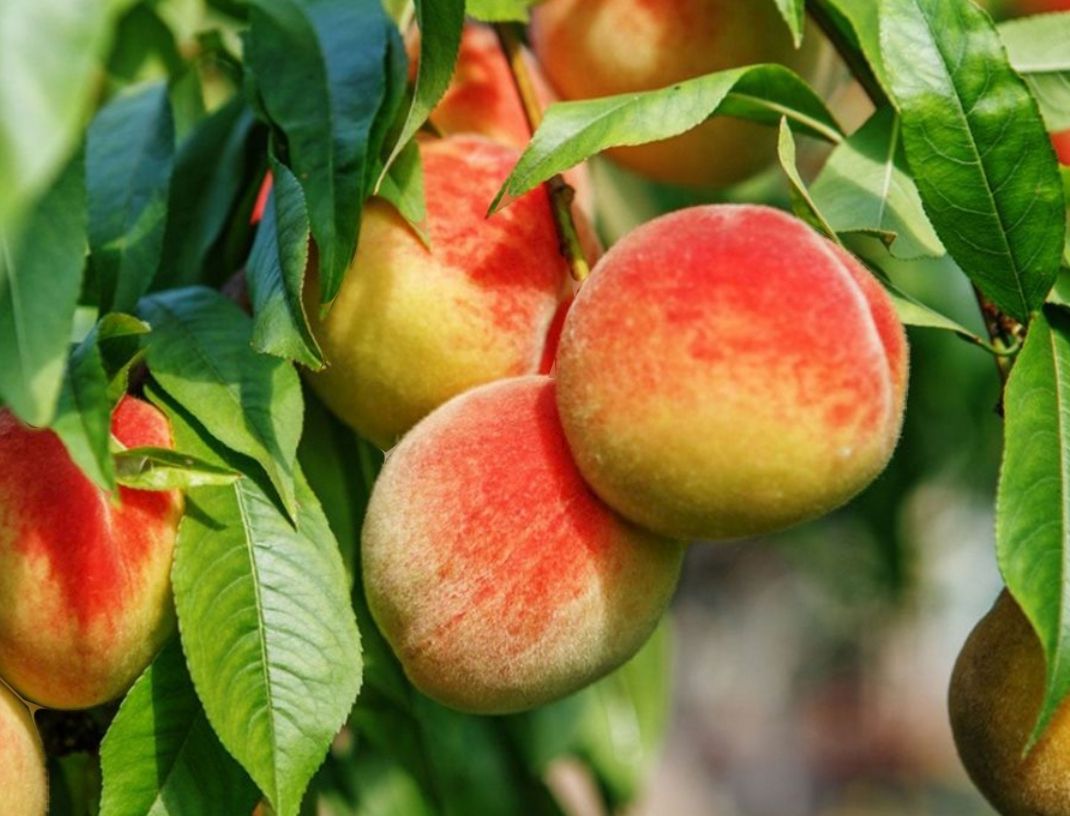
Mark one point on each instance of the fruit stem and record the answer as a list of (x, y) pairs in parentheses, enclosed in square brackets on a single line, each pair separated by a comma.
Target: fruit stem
[(561, 192), (1005, 333), (848, 52)]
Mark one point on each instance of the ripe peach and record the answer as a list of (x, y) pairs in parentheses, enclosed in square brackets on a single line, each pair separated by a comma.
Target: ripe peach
[(725, 371), (499, 579), (594, 48), (1039, 6), (85, 592), (482, 98), (413, 326), (996, 692), (1061, 141), (22, 759)]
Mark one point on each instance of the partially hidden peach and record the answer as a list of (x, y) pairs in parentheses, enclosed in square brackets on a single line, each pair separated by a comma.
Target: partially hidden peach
[(596, 48), (499, 579), (996, 691), (85, 591), (482, 98), (413, 326), (1061, 141), (23, 780), (725, 371)]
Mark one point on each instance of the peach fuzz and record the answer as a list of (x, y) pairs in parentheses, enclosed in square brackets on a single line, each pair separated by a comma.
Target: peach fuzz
[(595, 48), (996, 691), (725, 371), (499, 579), (85, 591), (23, 779), (411, 326)]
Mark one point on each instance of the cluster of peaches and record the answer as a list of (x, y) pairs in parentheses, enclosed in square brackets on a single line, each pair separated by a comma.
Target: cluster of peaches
[(723, 372)]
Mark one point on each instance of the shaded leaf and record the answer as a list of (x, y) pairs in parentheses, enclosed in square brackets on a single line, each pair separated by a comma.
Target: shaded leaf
[(1037, 47), (129, 155)]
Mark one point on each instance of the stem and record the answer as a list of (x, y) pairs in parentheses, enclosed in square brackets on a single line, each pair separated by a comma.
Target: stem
[(1004, 332), (851, 55), (561, 192)]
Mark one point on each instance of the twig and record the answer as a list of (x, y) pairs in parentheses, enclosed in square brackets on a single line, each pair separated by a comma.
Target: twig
[(561, 192)]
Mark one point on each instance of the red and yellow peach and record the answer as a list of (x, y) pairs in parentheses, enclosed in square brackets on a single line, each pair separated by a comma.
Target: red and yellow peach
[(499, 579), (726, 371), (23, 781), (595, 48), (85, 591), (415, 325)]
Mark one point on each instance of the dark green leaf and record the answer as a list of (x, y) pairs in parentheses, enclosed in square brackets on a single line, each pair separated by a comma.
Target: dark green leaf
[(275, 274), (440, 24), (574, 131), (129, 156), (41, 265), (200, 353), (207, 181), (319, 71), (1032, 507), (977, 148), (161, 757), (403, 187)]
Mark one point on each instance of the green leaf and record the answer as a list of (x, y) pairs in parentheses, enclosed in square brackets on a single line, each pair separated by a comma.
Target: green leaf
[(200, 353), (794, 14), (160, 756), (49, 55), (275, 274), (266, 622), (440, 24), (858, 22), (573, 131), (129, 155), (269, 632), (802, 204), (41, 266), (1032, 506), (500, 11), (864, 188), (206, 183), (149, 468), (1037, 49), (95, 380), (977, 148), (318, 66), (403, 187)]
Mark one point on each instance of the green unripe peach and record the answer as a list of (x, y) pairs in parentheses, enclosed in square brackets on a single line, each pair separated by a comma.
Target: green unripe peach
[(499, 579), (85, 589), (23, 783), (726, 371), (996, 692)]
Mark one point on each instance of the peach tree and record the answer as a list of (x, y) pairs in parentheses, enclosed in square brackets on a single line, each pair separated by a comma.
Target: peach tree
[(192, 193)]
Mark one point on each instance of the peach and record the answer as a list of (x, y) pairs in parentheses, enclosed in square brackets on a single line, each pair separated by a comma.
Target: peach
[(1061, 141), (85, 591), (22, 759), (499, 579), (413, 326), (595, 48), (1039, 6), (996, 691), (725, 371), (482, 98)]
